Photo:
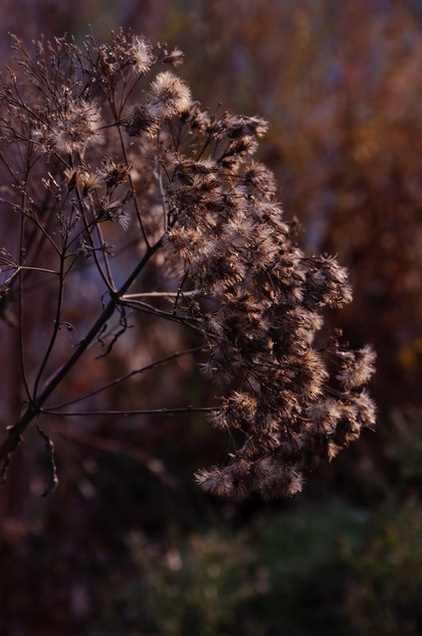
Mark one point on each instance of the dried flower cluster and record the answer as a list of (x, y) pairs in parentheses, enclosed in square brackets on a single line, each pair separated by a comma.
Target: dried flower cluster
[(98, 134), (290, 400)]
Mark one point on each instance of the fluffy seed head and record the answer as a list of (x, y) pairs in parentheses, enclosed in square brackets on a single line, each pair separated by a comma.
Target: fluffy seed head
[(170, 96), (142, 55)]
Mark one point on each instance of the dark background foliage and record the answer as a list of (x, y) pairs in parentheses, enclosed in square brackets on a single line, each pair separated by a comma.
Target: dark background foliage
[(127, 544)]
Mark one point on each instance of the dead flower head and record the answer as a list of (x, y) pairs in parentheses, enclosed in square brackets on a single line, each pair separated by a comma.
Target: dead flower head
[(75, 125)]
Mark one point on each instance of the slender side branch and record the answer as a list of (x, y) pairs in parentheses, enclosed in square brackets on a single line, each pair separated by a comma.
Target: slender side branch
[(154, 311), (164, 410), (56, 326), (127, 376)]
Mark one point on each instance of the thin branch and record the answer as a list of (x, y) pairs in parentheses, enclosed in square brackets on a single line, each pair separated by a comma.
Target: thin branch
[(129, 375), (44, 270), (193, 292), (56, 325), (105, 257), (88, 231), (160, 411), (53, 480), (149, 309), (117, 118), (21, 320), (40, 226), (163, 198)]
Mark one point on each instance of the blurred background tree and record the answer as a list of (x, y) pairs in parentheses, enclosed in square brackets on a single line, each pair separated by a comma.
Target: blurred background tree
[(127, 545)]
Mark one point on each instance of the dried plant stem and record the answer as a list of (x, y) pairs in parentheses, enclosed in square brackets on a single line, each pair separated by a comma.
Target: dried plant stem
[(161, 411), (127, 376)]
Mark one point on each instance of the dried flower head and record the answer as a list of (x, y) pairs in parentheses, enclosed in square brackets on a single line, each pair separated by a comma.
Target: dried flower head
[(142, 55), (81, 177), (113, 173), (174, 58), (141, 120), (169, 96), (75, 125)]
